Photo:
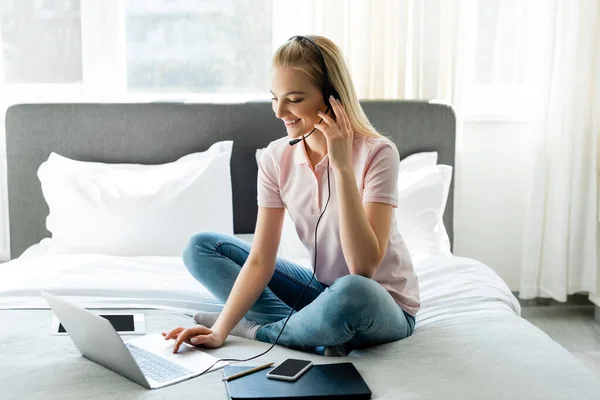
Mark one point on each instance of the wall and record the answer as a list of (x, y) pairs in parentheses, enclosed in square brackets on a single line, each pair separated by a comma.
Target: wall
[(492, 182)]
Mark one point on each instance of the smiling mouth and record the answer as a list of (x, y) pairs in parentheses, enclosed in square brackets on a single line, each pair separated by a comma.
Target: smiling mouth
[(291, 123)]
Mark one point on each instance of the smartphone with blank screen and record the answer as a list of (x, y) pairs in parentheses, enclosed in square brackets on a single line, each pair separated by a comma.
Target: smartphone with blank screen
[(125, 324), (289, 370)]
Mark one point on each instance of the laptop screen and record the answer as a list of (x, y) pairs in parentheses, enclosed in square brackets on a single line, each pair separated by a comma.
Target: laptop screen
[(121, 323)]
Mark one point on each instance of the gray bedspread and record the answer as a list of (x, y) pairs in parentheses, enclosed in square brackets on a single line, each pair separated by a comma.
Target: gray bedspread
[(481, 355)]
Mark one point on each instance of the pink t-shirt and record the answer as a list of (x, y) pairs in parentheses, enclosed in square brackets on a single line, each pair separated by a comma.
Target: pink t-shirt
[(286, 179)]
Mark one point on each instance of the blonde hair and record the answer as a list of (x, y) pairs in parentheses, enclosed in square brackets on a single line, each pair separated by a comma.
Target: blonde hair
[(303, 56)]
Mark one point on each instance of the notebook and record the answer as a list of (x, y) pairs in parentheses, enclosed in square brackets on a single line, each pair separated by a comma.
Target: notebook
[(326, 381)]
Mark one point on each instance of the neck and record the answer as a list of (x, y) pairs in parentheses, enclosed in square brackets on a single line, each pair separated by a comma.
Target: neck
[(315, 145)]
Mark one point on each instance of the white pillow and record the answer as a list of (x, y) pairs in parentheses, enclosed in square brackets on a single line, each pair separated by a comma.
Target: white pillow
[(417, 161), (444, 240), (134, 209), (419, 216)]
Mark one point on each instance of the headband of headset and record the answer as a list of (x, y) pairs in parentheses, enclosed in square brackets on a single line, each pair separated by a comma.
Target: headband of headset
[(328, 88)]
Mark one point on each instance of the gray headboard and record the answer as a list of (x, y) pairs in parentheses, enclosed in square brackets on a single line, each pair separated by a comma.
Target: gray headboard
[(154, 133)]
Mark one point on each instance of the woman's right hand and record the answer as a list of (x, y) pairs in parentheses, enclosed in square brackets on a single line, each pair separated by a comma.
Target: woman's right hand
[(196, 336)]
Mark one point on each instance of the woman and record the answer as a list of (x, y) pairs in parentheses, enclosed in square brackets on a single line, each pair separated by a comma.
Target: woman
[(365, 292)]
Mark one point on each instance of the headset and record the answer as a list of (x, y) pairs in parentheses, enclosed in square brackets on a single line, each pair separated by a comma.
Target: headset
[(328, 90)]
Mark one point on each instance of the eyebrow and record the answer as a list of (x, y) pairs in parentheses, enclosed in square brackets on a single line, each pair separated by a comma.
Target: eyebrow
[(288, 93)]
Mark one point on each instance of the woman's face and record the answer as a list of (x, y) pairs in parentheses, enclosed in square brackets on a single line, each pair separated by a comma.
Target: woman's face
[(296, 101)]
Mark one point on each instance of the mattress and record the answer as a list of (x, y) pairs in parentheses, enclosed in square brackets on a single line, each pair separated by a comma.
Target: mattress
[(469, 341)]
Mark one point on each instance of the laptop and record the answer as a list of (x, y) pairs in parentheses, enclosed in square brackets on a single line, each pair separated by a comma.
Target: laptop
[(147, 360)]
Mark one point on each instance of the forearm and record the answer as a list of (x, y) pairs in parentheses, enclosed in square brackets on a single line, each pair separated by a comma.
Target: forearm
[(359, 242), (248, 286)]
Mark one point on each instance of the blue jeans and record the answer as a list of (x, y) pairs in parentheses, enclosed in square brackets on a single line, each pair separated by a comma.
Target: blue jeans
[(354, 312)]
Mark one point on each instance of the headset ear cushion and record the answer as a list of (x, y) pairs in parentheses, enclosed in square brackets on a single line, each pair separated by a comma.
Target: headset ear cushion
[(331, 91)]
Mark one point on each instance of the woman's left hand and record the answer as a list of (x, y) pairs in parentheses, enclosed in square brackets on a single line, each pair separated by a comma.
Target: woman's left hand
[(338, 134)]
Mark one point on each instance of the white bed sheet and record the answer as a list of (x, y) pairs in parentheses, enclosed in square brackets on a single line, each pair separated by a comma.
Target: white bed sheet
[(101, 281), (469, 342), (449, 285)]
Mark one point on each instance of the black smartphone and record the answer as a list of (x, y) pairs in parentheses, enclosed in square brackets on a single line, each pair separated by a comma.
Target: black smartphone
[(289, 370)]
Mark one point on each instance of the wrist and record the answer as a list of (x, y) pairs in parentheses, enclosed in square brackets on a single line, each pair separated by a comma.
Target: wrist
[(218, 333), (344, 170), (343, 167)]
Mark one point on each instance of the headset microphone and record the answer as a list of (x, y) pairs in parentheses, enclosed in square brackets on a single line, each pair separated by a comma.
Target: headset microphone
[(293, 142)]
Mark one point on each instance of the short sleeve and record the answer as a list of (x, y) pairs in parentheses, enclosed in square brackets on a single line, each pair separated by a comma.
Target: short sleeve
[(268, 194), (381, 176)]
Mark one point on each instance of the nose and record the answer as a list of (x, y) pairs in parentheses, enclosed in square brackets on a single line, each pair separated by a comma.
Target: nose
[(279, 109)]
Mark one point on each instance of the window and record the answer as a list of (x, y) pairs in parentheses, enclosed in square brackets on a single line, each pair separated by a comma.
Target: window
[(198, 46), (40, 41), (134, 50)]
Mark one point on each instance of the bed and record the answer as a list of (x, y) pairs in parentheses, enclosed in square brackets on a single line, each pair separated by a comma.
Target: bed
[(470, 341)]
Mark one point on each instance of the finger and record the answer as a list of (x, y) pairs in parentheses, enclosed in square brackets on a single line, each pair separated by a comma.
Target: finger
[(201, 329), (180, 339), (335, 108), (328, 120), (324, 129), (346, 118), (165, 335), (207, 341), (173, 333), (341, 116), (198, 340)]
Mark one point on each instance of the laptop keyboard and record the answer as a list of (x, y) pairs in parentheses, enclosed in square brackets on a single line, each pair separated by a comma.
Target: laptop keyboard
[(156, 367)]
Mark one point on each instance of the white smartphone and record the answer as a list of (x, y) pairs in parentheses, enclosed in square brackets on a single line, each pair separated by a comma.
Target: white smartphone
[(289, 370), (125, 324)]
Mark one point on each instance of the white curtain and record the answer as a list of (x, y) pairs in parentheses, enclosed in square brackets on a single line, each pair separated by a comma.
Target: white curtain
[(412, 47), (560, 249)]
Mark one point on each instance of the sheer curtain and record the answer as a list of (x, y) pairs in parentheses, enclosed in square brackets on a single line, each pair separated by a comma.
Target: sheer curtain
[(395, 49), (560, 249), (545, 50)]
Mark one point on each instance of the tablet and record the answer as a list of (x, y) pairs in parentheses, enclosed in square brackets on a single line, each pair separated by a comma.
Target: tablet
[(124, 323)]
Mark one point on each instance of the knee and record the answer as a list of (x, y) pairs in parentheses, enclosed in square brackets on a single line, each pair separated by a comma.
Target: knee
[(353, 293), (199, 245), (354, 286)]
